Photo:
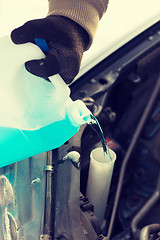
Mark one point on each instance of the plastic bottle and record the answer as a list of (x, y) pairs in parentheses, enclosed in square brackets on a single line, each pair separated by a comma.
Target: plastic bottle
[(53, 119)]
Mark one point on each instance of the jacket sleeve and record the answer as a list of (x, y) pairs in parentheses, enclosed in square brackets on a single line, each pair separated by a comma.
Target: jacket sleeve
[(86, 13)]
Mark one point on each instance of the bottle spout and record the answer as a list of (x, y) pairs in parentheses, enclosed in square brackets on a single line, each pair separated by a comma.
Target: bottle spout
[(78, 113)]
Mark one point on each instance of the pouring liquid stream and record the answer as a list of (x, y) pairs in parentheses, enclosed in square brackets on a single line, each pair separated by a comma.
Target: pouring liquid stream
[(95, 125)]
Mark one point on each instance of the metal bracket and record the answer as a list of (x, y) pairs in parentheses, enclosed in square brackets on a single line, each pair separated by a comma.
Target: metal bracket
[(49, 168), (45, 237)]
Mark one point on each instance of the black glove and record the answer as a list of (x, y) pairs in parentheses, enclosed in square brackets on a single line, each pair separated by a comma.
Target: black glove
[(66, 40)]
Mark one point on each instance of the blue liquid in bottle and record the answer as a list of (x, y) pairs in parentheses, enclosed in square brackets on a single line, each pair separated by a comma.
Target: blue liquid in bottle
[(16, 145)]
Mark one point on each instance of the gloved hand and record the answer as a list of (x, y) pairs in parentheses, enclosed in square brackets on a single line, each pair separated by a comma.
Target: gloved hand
[(66, 40)]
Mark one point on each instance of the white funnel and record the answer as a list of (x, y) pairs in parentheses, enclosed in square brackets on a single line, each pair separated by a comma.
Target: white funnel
[(99, 179)]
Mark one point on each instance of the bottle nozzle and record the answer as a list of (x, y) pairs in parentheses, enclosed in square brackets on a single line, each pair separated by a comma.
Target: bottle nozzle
[(78, 113)]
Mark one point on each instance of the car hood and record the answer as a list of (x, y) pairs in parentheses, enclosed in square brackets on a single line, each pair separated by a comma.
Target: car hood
[(123, 21)]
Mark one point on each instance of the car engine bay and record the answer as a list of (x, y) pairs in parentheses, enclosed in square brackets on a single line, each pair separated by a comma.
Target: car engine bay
[(122, 91)]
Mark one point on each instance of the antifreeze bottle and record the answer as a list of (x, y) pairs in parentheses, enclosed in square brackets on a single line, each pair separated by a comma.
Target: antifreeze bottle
[(35, 115)]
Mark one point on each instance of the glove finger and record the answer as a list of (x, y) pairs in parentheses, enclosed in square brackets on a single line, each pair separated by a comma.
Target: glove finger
[(44, 67), (22, 34), (29, 31)]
